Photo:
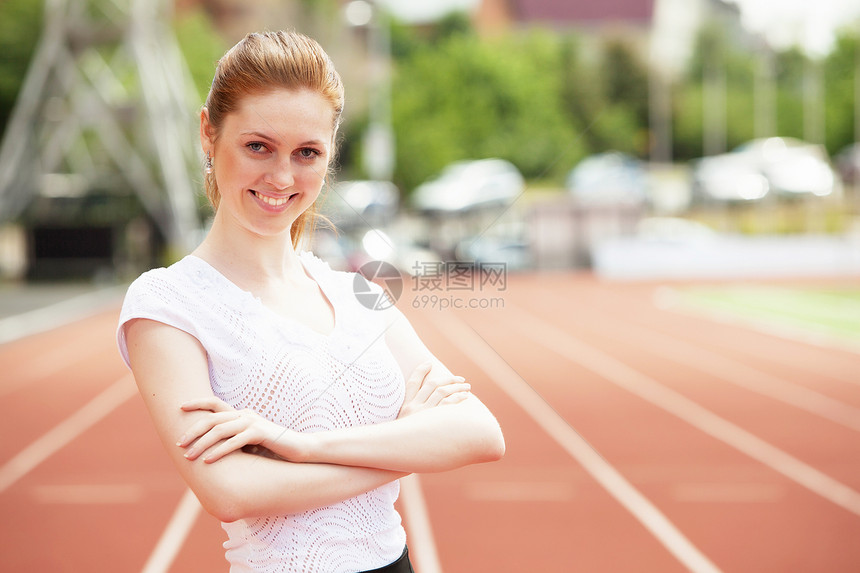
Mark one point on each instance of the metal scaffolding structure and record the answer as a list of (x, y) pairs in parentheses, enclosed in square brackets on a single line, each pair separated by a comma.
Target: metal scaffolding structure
[(107, 101)]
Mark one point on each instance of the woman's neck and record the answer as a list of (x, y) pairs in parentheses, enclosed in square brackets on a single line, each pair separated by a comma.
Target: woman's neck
[(252, 260)]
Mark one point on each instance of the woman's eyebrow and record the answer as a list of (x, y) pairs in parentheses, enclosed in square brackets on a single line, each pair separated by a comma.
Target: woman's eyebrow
[(259, 134)]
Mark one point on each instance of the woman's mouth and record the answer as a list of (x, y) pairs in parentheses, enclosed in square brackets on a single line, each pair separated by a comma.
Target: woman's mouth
[(273, 201)]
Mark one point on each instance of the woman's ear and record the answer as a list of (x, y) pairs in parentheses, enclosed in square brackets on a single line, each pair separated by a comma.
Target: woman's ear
[(207, 139)]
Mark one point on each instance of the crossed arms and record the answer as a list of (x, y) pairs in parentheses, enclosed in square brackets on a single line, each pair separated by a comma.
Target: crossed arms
[(441, 426)]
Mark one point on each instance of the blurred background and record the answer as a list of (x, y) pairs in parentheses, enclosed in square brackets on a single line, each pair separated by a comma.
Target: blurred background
[(660, 201), (635, 138)]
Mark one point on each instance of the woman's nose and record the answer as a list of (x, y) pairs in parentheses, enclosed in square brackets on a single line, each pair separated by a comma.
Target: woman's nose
[(281, 175)]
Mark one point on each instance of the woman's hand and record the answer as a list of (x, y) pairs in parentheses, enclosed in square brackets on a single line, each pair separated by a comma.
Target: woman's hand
[(225, 429), (427, 389)]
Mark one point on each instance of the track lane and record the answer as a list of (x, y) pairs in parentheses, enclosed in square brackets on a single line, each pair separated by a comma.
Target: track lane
[(579, 318), (113, 490), (537, 509), (55, 391)]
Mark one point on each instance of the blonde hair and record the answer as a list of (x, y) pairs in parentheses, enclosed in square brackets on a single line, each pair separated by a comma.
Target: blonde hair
[(259, 63)]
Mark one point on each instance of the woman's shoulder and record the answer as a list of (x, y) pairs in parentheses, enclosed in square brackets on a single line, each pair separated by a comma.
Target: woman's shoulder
[(322, 270), (188, 283), (177, 275)]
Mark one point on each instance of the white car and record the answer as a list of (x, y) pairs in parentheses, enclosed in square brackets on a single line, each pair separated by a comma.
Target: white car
[(467, 185), (784, 166), (610, 178), (361, 202)]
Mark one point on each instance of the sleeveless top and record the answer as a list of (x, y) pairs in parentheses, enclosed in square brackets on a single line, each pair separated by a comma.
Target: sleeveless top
[(300, 379)]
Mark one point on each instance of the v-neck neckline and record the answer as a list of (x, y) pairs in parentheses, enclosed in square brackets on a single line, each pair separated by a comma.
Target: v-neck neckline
[(304, 326)]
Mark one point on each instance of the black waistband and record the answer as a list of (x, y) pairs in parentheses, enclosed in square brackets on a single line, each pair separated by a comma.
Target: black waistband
[(402, 565)]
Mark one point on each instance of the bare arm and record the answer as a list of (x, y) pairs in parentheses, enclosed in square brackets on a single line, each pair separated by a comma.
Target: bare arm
[(441, 426), (170, 368), (427, 439)]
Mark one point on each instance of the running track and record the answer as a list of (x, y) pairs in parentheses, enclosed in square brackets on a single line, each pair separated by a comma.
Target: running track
[(639, 439)]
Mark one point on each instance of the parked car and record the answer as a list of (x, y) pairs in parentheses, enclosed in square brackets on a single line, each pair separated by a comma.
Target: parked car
[(783, 166), (361, 202), (467, 185), (730, 177), (512, 252), (610, 178)]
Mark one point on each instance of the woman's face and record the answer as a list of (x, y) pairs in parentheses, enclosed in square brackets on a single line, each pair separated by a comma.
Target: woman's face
[(270, 158)]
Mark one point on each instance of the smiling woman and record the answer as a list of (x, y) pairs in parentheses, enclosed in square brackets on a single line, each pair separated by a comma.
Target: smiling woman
[(290, 409), (269, 159)]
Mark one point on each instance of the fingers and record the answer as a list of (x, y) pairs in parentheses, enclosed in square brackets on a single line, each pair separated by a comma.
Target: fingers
[(211, 403), (235, 430), (204, 425), (449, 393), (224, 422), (237, 442), (416, 380), (433, 389)]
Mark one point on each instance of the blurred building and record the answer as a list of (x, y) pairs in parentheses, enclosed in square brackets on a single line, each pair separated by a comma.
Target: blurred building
[(96, 161), (235, 18), (99, 166), (632, 16), (671, 25)]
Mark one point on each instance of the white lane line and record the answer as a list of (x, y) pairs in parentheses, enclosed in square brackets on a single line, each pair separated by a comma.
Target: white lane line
[(174, 534), (615, 371), (66, 431), (420, 532), (57, 314), (734, 372), (500, 372)]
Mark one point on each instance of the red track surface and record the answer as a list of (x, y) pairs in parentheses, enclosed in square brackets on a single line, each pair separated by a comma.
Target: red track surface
[(695, 417)]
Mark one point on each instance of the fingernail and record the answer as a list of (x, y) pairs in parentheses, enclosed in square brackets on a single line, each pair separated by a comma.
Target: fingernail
[(181, 441)]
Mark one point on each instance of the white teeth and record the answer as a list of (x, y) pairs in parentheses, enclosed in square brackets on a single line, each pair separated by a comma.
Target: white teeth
[(271, 200)]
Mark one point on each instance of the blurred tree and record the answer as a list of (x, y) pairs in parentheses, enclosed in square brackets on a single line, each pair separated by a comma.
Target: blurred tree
[(466, 98), (687, 124), (839, 71), (453, 24), (626, 80), (714, 102), (622, 124), (201, 45), (20, 28), (607, 96), (789, 78)]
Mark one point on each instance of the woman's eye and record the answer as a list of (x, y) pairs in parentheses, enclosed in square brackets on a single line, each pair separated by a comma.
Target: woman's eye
[(308, 153), (256, 146)]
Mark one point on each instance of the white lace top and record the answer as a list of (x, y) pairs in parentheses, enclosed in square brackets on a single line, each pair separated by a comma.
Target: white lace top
[(300, 379)]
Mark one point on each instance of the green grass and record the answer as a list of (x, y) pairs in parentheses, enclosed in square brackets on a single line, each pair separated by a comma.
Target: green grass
[(829, 311)]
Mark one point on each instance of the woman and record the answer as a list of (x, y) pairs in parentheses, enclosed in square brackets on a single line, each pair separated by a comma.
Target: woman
[(289, 409)]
